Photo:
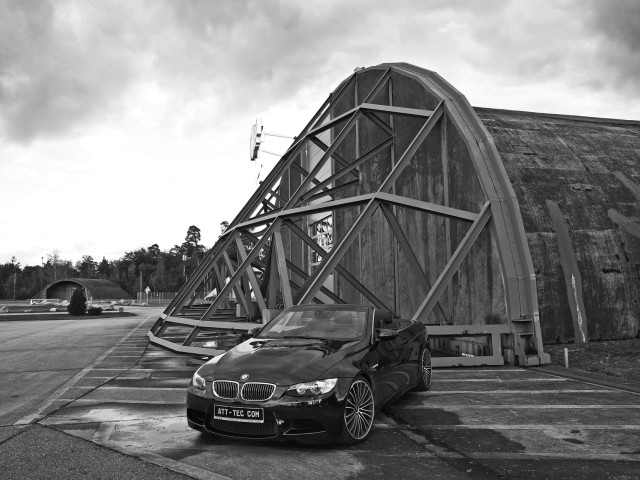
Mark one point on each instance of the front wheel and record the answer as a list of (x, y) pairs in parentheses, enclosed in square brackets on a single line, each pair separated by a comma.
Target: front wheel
[(424, 371), (358, 414)]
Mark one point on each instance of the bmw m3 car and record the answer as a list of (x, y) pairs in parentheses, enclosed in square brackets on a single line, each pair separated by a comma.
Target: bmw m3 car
[(313, 373)]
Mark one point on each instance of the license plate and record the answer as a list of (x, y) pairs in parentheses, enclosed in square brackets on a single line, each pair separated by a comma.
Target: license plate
[(238, 414)]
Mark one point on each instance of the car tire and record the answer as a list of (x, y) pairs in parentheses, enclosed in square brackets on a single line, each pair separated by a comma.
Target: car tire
[(424, 371), (359, 410)]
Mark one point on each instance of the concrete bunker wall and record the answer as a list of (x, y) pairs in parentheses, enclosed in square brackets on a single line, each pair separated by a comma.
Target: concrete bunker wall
[(577, 181), (95, 288)]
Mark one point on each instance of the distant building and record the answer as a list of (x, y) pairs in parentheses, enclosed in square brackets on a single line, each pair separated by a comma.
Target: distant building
[(94, 289)]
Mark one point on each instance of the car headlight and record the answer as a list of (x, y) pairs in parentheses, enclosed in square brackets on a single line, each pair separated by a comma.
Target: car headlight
[(312, 388), (198, 381)]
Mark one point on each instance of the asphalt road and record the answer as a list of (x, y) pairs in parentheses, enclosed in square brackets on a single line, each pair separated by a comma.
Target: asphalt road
[(95, 400)]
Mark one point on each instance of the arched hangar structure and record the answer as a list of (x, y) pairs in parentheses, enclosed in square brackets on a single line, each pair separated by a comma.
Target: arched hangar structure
[(94, 289), (400, 195)]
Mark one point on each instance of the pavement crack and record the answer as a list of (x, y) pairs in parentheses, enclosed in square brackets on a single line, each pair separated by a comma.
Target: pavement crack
[(20, 431)]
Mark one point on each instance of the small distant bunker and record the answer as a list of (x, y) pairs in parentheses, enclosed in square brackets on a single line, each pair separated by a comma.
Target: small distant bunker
[(95, 289)]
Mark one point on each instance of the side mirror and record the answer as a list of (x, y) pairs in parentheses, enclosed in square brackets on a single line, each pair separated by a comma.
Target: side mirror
[(387, 334), (251, 333)]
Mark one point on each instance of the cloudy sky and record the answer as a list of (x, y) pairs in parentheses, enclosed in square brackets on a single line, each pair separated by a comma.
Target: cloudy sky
[(122, 123)]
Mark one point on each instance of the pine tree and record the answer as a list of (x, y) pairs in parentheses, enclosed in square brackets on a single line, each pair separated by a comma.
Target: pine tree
[(78, 303)]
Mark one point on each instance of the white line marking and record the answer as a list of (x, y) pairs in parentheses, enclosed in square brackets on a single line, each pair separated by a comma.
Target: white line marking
[(26, 420), (497, 370), (436, 393), (537, 426), (514, 407), (594, 384), (548, 455), (76, 420), (501, 380), (124, 356), (102, 401), (149, 389), (174, 370)]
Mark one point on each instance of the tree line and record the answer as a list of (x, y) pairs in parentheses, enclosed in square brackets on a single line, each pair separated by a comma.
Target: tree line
[(162, 271)]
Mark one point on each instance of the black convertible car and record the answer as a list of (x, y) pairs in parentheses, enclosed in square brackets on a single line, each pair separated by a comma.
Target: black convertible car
[(315, 372)]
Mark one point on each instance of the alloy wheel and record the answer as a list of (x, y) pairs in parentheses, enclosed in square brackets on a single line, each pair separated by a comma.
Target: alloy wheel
[(426, 367), (359, 410)]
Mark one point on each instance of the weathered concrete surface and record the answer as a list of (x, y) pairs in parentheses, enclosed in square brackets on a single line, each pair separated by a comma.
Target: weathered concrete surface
[(589, 168), (38, 358), (474, 423), (43, 453)]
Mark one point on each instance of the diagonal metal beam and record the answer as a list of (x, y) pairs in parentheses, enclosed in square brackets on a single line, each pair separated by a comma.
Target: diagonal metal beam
[(242, 255), (393, 110), (366, 293), (272, 286), (333, 99), (331, 192), (340, 269), (341, 173), (213, 255), (219, 276), (428, 207), (412, 259), (308, 209), (332, 123), (287, 296), (341, 162), (272, 178), (304, 174), (378, 86), (454, 263), (238, 274), (240, 295), (378, 121), (290, 155), (413, 147), (200, 288), (295, 269), (332, 259), (275, 195), (314, 172)]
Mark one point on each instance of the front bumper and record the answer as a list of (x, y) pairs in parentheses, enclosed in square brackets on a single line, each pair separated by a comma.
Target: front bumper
[(304, 419)]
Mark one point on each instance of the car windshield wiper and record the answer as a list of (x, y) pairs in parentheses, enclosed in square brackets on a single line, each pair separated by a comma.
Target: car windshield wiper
[(301, 336)]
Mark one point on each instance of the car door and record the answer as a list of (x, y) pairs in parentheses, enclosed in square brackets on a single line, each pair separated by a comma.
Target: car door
[(409, 352), (389, 377)]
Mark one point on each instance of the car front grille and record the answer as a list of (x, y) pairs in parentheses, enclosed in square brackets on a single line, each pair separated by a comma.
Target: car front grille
[(257, 392), (226, 389)]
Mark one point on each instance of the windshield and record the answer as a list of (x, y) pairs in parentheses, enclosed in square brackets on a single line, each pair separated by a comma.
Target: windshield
[(335, 323)]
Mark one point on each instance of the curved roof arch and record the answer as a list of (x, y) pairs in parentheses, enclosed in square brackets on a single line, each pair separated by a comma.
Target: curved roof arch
[(96, 288)]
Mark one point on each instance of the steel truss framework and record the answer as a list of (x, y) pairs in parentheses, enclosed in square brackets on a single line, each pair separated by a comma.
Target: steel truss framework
[(250, 260)]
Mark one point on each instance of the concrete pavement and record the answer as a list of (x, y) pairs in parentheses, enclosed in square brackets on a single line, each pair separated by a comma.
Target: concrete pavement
[(128, 402)]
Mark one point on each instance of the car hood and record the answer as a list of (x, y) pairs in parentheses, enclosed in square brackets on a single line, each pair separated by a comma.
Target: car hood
[(281, 361)]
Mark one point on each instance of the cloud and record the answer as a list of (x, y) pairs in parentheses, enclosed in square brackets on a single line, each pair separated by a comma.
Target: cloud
[(67, 65), (617, 27), (61, 64)]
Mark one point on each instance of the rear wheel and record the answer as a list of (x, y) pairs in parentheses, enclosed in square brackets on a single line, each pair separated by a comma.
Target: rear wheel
[(358, 414), (424, 371)]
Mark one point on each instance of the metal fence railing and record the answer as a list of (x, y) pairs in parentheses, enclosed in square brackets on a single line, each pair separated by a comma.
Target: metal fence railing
[(160, 298)]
